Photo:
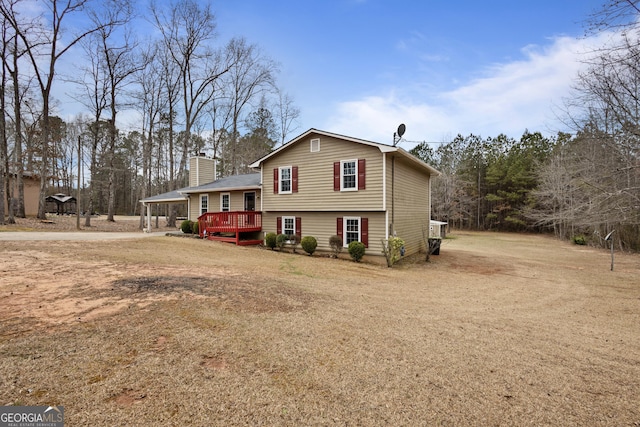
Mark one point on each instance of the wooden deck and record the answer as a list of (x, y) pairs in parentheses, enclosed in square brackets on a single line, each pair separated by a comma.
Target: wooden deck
[(234, 227)]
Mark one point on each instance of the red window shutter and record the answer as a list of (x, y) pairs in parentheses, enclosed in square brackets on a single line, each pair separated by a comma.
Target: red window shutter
[(364, 233), (336, 176), (361, 173), (279, 225), (299, 226), (275, 180), (339, 229), (294, 179)]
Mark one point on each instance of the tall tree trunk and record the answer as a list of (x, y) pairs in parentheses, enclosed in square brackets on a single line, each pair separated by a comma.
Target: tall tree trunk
[(173, 212), (4, 163), (146, 168), (112, 173), (42, 202), (92, 169), (18, 161)]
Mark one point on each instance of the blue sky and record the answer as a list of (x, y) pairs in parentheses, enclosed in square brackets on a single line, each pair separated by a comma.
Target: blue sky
[(361, 67)]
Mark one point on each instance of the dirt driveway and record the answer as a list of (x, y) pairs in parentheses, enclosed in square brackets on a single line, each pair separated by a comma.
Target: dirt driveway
[(499, 329)]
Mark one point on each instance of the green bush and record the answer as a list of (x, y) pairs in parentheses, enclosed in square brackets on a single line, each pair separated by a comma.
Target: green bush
[(335, 243), (356, 250), (309, 244), (270, 240), (281, 240), (195, 227), (186, 226), (579, 240)]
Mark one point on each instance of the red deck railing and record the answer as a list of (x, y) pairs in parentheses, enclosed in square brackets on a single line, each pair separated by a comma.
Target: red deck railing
[(218, 226)]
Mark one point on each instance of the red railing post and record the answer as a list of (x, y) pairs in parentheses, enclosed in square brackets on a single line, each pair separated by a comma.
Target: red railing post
[(229, 222)]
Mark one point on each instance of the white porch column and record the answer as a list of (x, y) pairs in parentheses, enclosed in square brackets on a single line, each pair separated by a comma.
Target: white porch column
[(148, 230)]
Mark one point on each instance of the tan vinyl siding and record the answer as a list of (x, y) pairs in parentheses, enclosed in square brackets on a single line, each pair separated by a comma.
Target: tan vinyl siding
[(194, 206), (411, 202), (315, 177), (201, 171), (323, 225), (236, 202)]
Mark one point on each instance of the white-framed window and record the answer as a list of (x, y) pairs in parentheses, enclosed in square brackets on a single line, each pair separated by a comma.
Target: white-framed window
[(351, 230), (284, 175), (225, 202), (315, 145), (204, 203), (289, 225), (349, 175)]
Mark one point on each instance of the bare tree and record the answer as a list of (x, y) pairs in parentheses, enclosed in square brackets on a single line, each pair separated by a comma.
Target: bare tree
[(151, 102), (187, 31), (4, 158), (604, 159), (13, 52), (94, 97), (287, 115), (120, 64), (171, 80), (44, 48), (220, 118), (250, 75), (618, 15)]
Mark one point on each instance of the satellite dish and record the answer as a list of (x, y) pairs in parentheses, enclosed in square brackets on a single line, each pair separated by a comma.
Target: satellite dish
[(401, 129)]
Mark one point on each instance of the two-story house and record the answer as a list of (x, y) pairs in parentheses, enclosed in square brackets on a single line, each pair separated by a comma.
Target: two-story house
[(320, 184)]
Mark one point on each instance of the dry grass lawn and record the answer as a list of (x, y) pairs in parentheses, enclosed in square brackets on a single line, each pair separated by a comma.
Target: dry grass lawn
[(499, 329)]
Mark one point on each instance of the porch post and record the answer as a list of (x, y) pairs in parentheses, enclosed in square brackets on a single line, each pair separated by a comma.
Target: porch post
[(148, 230)]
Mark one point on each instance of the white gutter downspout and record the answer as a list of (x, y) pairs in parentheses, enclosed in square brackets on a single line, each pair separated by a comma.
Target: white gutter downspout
[(384, 194), (261, 187)]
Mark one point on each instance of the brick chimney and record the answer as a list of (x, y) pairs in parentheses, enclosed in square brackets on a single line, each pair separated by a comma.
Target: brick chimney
[(202, 170)]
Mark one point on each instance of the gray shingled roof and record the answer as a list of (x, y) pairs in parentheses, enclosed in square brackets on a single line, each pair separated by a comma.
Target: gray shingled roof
[(171, 196), (228, 183)]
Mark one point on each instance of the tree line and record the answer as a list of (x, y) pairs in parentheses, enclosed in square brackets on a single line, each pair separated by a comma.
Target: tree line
[(188, 91), (191, 92), (580, 185)]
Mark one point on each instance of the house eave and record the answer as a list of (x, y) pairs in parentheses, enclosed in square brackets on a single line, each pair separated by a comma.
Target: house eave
[(174, 200), (219, 190)]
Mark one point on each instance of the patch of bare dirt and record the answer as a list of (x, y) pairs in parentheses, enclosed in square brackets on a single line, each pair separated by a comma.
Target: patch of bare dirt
[(59, 290), (129, 397), (499, 329)]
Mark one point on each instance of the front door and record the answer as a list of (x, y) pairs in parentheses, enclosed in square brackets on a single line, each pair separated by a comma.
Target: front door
[(250, 201)]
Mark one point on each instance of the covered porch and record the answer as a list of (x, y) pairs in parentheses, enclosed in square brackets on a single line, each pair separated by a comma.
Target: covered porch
[(239, 227)]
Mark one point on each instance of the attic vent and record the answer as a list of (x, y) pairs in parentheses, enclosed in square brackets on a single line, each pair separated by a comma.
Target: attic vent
[(315, 145)]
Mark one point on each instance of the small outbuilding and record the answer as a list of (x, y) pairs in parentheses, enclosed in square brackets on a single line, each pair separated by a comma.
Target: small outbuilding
[(437, 229), (61, 204)]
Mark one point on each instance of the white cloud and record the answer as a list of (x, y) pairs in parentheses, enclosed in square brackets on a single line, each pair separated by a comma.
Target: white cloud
[(377, 118), (509, 98)]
